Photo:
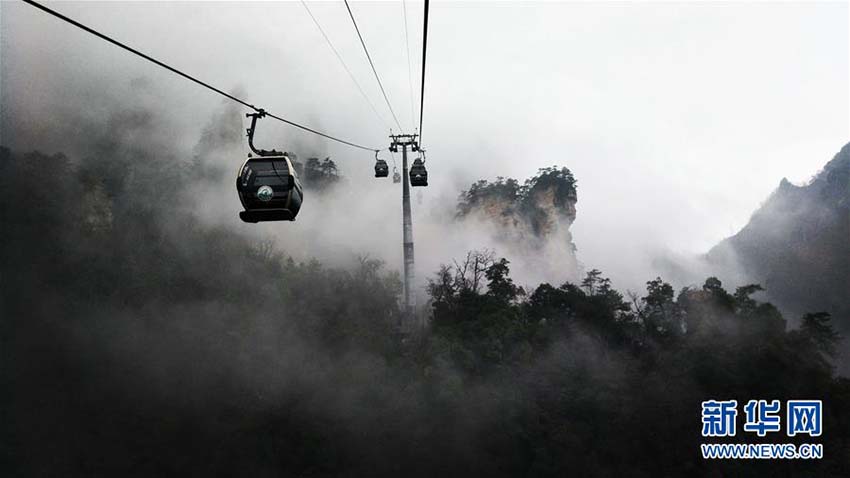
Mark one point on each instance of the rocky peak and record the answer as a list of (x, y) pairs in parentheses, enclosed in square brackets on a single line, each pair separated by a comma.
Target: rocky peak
[(531, 219)]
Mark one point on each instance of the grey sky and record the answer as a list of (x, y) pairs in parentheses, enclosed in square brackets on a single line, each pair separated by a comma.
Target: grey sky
[(678, 119)]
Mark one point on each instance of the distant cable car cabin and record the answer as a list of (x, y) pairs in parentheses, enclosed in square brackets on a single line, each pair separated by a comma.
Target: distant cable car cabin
[(382, 169), (267, 184), (396, 176), (418, 173)]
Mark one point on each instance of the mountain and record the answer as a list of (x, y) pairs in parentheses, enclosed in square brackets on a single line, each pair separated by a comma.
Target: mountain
[(140, 340), (797, 244), (530, 221)]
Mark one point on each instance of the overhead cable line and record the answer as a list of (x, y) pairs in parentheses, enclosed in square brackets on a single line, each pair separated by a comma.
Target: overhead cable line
[(342, 62), (189, 77), (424, 50), (409, 75), (369, 57)]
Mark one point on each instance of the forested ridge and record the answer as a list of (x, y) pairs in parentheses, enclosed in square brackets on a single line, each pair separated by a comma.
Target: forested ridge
[(139, 341), (798, 243)]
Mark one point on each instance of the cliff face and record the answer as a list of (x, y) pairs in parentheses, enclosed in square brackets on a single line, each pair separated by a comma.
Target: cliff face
[(797, 245), (551, 204), (530, 223)]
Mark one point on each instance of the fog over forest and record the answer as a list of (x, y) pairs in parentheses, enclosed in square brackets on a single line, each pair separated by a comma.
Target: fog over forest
[(147, 331)]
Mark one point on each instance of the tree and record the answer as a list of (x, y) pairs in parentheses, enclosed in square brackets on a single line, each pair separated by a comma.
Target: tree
[(500, 285), (661, 316), (744, 304), (470, 274), (817, 328), (591, 280), (320, 174)]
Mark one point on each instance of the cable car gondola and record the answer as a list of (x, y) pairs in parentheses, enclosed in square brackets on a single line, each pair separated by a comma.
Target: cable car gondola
[(418, 173), (396, 176), (382, 169), (267, 184)]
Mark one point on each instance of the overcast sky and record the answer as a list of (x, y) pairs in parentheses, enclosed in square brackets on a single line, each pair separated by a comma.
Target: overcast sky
[(677, 119)]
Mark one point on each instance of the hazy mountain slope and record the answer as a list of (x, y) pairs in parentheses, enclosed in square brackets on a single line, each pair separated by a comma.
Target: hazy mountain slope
[(797, 245)]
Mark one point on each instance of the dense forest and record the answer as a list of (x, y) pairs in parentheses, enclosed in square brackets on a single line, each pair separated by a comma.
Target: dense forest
[(139, 341)]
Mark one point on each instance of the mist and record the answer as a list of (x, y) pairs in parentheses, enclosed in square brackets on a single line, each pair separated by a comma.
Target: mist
[(150, 332), (675, 129)]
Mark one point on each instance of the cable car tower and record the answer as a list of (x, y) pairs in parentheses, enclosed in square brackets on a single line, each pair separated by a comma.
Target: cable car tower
[(405, 142)]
